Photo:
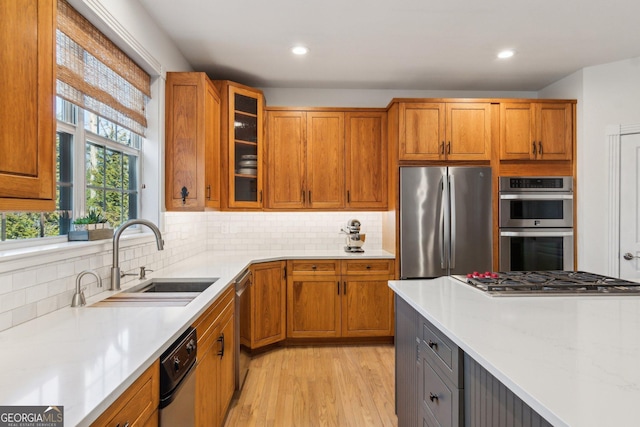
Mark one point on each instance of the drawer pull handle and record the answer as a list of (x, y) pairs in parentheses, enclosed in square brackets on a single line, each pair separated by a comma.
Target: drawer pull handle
[(433, 397), (313, 267), (368, 267), (433, 345), (221, 341)]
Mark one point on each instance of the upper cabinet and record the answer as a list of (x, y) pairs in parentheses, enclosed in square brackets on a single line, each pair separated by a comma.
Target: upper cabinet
[(366, 157), (326, 159), (536, 131), (242, 145), (456, 131), (306, 159), (27, 144), (192, 155)]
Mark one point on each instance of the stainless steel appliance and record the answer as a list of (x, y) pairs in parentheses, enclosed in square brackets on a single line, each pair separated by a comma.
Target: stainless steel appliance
[(243, 305), (445, 221), (355, 239), (543, 283), (536, 223), (178, 382)]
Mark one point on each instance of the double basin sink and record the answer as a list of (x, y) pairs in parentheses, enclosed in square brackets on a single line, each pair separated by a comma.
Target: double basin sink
[(158, 292)]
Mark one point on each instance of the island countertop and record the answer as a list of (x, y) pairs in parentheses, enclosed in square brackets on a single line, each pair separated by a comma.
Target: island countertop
[(83, 358), (574, 359)]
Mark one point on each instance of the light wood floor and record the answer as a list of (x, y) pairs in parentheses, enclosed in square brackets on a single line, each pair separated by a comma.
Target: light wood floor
[(318, 386)]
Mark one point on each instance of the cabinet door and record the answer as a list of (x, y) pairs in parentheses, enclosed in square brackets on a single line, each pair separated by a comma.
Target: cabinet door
[(468, 131), (286, 132), (313, 307), (407, 363), (206, 406), (554, 123), (245, 137), (422, 131), (27, 163), (516, 131), (226, 350), (325, 160), (190, 141), (366, 157), (367, 307), (268, 304)]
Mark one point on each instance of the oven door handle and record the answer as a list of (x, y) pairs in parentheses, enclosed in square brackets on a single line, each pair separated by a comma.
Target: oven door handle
[(536, 196), (536, 233)]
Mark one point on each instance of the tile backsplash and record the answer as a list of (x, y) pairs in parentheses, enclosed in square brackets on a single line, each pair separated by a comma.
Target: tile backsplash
[(44, 281)]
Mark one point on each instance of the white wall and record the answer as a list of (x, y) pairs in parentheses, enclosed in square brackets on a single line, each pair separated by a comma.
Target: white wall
[(607, 94)]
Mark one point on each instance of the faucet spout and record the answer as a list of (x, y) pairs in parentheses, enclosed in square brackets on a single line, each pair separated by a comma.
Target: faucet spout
[(78, 299), (115, 268)]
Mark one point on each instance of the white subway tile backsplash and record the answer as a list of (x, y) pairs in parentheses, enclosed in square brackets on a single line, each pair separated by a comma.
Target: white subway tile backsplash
[(43, 283)]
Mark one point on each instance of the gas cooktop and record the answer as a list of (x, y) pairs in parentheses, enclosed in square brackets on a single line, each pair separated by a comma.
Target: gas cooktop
[(543, 283)]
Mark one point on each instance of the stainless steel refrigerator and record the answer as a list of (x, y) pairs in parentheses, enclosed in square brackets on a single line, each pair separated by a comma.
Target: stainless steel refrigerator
[(445, 221)]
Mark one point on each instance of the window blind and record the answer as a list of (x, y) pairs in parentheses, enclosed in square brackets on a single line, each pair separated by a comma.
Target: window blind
[(96, 75)]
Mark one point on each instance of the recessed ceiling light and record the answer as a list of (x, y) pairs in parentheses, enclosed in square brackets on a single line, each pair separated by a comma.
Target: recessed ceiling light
[(299, 50), (506, 54)]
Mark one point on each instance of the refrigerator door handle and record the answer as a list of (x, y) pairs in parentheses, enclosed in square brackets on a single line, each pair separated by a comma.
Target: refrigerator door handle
[(445, 216), (452, 244)]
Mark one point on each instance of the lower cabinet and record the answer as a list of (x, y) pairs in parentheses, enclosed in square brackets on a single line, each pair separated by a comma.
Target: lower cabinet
[(333, 298), (438, 385), (215, 381), (138, 405), (266, 322)]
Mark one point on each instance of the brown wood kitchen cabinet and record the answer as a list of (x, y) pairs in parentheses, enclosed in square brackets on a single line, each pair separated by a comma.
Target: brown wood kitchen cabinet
[(267, 306), (326, 159), (137, 405), (456, 131), (306, 159), (333, 298), (215, 379), (242, 146), (536, 131), (192, 159), (27, 144)]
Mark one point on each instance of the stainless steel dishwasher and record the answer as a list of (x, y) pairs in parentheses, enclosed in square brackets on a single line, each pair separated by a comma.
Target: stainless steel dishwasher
[(178, 382), (243, 305)]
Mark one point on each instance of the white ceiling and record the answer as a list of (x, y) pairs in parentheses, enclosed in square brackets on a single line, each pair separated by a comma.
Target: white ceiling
[(399, 44)]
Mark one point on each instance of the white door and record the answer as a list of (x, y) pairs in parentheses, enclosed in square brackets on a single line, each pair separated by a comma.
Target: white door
[(629, 209)]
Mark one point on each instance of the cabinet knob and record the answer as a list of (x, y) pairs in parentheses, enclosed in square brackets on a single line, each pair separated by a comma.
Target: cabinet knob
[(433, 345), (368, 267), (433, 397), (313, 267)]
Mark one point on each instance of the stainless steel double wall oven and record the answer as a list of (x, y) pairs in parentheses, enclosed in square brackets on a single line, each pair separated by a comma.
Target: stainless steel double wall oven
[(536, 223)]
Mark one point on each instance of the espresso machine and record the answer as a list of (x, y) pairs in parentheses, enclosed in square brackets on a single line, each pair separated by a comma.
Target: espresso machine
[(354, 239)]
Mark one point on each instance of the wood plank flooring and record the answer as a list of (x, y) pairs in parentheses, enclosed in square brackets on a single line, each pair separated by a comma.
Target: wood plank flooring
[(318, 386)]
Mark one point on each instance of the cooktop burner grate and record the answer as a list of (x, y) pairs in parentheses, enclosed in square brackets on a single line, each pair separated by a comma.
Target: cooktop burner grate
[(551, 283)]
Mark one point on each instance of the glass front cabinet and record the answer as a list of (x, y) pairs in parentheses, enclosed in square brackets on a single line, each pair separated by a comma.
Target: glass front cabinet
[(242, 146)]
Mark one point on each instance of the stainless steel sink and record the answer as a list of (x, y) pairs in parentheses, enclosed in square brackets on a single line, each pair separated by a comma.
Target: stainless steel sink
[(158, 293), (172, 286)]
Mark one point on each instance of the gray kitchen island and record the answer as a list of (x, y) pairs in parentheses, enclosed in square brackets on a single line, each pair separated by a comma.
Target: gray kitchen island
[(467, 358)]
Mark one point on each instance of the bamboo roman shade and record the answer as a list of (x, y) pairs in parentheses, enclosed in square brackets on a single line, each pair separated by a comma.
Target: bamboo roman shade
[(95, 74)]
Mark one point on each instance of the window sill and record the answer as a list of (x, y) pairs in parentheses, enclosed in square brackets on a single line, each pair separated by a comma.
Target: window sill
[(23, 257)]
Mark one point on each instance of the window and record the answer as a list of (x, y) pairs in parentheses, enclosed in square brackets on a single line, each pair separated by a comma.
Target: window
[(101, 113), (108, 161)]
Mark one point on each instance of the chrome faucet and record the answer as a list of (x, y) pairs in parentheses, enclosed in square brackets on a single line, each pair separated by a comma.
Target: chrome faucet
[(78, 299), (115, 268)]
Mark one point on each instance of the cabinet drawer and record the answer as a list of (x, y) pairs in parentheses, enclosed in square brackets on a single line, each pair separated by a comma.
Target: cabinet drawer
[(368, 267), (314, 266), (439, 396), (445, 354)]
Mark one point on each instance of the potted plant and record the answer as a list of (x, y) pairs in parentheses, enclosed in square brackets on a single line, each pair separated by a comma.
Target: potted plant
[(92, 226)]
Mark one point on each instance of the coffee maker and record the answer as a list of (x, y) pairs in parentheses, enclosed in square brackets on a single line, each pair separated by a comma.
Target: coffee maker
[(355, 239)]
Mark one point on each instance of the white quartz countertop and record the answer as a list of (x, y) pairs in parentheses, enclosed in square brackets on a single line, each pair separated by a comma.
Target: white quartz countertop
[(573, 359), (84, 358)]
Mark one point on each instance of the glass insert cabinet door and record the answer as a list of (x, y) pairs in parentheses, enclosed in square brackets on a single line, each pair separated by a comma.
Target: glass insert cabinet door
[(246, 148)]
